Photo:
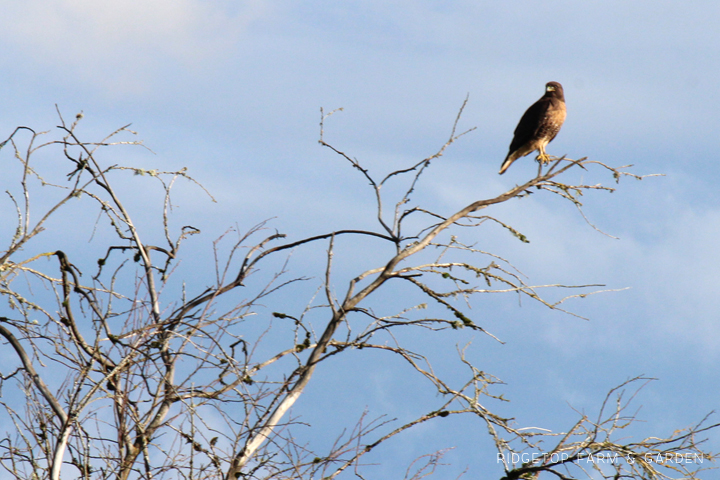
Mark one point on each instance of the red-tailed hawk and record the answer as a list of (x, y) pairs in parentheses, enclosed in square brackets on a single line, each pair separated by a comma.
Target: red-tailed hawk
[(538, 126)]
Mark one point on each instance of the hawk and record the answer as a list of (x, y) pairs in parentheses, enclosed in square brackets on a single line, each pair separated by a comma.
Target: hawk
[(538, 126)]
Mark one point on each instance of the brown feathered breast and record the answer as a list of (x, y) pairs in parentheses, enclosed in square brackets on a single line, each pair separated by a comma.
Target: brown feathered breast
[(538, 125)]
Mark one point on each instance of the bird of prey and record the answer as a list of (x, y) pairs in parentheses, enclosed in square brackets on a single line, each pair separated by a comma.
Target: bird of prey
[(538, 126)]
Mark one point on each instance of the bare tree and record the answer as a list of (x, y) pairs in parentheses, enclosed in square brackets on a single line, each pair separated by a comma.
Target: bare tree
[(130, 372)]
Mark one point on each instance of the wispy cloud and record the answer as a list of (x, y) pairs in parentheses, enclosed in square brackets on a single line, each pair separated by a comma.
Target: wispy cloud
[(124, 46)]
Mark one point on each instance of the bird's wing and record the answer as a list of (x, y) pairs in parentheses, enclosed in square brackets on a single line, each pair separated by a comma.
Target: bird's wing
[(530, 123)]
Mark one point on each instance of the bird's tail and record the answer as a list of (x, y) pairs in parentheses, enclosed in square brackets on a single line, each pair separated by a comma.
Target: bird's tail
[(506, 164)]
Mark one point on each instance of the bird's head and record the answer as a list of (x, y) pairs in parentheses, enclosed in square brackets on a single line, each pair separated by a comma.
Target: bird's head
[(554, 89)]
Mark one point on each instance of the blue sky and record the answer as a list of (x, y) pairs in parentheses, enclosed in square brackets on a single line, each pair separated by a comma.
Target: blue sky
[(232, 90)]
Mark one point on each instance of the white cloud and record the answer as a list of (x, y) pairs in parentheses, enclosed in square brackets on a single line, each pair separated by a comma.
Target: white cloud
[(122, 45)]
